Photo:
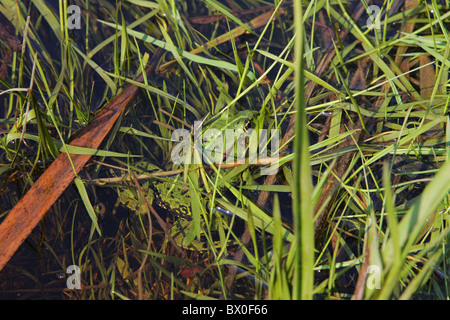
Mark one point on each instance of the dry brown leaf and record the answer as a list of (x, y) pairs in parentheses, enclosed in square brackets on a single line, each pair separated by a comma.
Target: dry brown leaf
[(427, 77)]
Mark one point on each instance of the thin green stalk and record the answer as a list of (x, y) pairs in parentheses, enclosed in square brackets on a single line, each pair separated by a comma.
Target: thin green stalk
[(303, 282)]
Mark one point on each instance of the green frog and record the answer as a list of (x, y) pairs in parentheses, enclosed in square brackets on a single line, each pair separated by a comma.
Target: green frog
[(229, 119), (172, 197), (216, 136), (166, 195)]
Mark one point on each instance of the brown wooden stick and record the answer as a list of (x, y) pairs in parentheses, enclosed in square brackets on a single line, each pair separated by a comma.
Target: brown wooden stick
[(27, 213), (358, 294)]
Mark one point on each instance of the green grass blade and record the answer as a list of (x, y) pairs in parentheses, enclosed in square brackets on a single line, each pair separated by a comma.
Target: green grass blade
[(303, 282), (87, 203)]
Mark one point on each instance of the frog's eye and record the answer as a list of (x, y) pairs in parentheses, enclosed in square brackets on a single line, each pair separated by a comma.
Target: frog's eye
[(185, 210)]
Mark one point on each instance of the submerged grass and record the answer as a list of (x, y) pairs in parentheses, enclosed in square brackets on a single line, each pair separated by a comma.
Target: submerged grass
[(358, 208)]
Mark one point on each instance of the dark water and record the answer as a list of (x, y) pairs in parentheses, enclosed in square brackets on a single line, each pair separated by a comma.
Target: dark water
[(48, 249)]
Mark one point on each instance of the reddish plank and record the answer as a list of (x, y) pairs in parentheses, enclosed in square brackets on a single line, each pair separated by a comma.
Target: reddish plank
[(37, 201)]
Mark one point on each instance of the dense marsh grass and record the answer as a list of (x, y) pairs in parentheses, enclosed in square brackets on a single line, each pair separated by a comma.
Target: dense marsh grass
[(358, 208)]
